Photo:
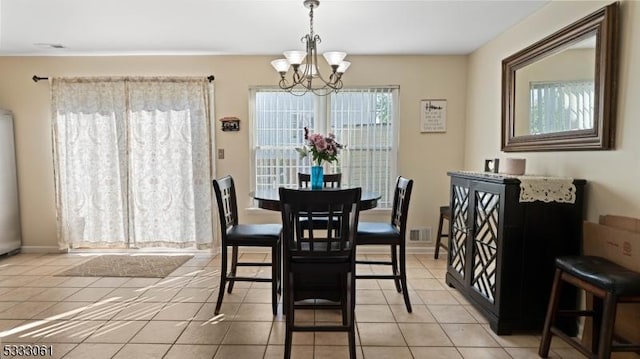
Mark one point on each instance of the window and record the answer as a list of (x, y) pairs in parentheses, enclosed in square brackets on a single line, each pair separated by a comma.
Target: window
[(561, 106), (363, 119)]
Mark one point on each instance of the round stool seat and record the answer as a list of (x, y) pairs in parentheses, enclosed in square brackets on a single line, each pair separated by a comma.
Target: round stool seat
[(445, 212)]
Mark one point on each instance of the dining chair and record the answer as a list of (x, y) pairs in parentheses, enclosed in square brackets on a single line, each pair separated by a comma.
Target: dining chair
[(319, 263), (237, 235), (390, 234), (331, 180)]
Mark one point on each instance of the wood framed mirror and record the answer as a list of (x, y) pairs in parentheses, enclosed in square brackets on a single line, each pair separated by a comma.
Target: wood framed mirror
[(560, 93)]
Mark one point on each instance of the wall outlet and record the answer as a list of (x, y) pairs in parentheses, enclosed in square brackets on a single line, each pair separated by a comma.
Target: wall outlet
[(221, 153), (421, 235)]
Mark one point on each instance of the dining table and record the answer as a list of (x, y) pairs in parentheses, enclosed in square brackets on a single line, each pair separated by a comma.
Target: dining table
[(270, 198)]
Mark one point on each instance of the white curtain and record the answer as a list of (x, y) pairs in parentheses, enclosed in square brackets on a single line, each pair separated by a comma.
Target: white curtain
[(133, 162)]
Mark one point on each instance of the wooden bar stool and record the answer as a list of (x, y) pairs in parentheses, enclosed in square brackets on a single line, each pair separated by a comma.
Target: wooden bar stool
[(610, 284), (445, 213)]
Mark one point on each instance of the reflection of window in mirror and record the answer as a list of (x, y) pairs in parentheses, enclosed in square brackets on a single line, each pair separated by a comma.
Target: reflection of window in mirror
[(561, 106), (556, 93)]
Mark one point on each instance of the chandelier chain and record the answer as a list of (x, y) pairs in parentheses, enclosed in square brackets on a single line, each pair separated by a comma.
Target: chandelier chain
[(311, 20)]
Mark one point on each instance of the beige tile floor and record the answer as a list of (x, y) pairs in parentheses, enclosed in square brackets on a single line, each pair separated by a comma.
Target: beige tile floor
[(82, 317)]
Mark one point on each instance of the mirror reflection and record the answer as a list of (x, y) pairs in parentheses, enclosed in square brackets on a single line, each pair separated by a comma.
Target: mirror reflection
[(556, 93), (559, 93)]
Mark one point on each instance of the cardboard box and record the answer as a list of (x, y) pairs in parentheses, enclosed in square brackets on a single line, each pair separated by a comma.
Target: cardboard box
[(618, 239)]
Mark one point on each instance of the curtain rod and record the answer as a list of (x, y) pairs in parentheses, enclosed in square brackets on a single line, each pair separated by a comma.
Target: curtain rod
[(37, 78)]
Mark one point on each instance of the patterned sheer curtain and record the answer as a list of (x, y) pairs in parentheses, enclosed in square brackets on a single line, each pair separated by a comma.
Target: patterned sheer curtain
[(133, 162)]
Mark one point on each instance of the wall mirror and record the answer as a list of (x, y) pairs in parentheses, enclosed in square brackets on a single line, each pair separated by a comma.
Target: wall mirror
[(560, 93)]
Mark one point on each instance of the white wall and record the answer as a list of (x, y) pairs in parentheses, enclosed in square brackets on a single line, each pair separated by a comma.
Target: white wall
[(613, 176), (424, 157)]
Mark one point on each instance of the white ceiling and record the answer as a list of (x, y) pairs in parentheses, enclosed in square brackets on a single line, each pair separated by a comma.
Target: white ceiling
[(267, 27)]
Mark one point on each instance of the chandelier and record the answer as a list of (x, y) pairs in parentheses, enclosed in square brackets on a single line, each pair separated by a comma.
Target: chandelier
[(306, 75)]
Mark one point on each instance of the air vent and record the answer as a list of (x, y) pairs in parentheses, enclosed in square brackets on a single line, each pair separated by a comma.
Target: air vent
[(420, 235)]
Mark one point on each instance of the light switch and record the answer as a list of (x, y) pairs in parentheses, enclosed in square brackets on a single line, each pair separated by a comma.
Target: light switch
[(220, 153)]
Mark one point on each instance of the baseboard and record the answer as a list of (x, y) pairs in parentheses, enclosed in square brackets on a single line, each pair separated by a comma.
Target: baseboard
[(385, 250), (361, 250), (41, 249)]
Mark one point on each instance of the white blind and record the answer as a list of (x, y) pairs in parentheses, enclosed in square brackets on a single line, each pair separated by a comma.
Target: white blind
[(364, 120), (279, 124), (561, 106)]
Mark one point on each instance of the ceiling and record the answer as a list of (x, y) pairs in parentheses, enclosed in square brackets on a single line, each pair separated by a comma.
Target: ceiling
[(252, 27)]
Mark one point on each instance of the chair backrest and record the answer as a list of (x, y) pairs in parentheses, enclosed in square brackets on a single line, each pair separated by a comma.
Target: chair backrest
[(400, 209), (331, 180), (227, 203), (336, 239)]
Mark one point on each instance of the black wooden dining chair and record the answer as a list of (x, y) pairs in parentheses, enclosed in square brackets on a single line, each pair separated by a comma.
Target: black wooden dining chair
[(331, 180), (390, 234), (319, 263), (237, 235)]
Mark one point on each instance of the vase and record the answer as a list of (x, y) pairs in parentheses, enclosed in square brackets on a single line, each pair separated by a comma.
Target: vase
[(317, 177)]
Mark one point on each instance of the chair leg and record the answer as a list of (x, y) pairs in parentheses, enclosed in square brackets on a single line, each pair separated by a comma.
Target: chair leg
[(438, 237), (223, 278), (345, 303), (596, 324), (279, 265), (288, 338), (394, 268), (351, 290), (403, 277), (608, 322), (234, 267), (274, 279), (554, 301), (352, 342)]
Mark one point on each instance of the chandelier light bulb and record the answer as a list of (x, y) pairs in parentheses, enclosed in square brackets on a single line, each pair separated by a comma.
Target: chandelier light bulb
[(342, 68), (281, 65), (334, 58), (295, 57), (312, 72), (306, 75)]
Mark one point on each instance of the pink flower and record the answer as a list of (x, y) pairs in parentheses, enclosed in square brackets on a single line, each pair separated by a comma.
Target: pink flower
[(320, 144), (321, 148)]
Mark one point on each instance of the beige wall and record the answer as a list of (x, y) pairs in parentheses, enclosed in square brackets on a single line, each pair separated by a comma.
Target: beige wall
[(612, 176), (423, 157)]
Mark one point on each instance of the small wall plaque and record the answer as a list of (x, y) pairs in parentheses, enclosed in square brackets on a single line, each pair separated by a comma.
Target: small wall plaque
[(230, 124), (491, 165)]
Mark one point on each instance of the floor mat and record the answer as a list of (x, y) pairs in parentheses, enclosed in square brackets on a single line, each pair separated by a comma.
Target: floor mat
[(150, 266)]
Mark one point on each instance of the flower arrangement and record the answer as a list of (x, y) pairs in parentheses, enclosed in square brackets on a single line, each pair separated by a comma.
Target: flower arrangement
[(322, 148)]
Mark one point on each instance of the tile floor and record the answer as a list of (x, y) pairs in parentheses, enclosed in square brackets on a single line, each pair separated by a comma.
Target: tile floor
[(93, 317)]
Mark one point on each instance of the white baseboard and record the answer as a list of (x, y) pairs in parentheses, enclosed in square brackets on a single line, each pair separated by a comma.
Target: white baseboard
[(41, 249), (361, 250), (385, 250)]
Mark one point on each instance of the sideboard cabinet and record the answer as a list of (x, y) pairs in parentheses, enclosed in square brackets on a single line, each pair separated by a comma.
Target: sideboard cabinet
[(502, 249)]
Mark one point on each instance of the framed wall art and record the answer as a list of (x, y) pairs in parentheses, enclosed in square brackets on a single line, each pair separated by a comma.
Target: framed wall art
[(230, 124), (433, 116)]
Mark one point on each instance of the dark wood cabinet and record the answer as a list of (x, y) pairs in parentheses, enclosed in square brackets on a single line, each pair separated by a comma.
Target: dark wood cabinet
[(502, 250)]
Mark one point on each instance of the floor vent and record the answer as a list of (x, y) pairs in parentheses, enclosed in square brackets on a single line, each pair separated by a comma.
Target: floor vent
[(420, 235)]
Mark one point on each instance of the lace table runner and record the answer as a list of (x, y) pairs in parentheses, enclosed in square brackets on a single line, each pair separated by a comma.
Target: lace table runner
[(547, 189), (539, 188)]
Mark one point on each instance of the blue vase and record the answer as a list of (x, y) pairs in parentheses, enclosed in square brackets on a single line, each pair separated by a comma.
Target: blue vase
[(317, 177)]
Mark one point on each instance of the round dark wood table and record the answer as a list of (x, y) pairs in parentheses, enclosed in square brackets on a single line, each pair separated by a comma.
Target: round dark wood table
[(270, 199)]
